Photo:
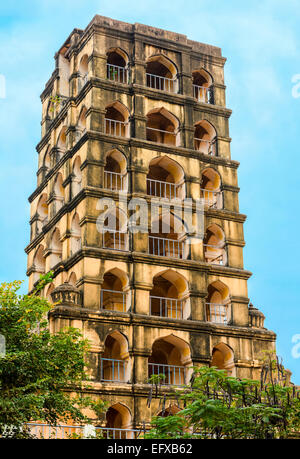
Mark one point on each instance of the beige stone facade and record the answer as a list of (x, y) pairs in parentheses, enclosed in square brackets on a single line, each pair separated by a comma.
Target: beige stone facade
[(130, 112)]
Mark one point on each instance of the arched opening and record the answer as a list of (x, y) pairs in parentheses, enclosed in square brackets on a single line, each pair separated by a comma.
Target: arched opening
[(75, 239), (211, 189), (76, 177), (42, 213), (83, 72), (115, 231), (161, 74), (115, 171), (62, 140), (39, 263), (169, 411), (73, 279), (171, 357), (59, 192), (117, 66), (205, 138), (55, 248), (214, 245), (169, 296), (115, 358), (46, 162), (162, 127), (49, 291), (223, 358), (203, 86), (165, 179), (116, 120), (81, 124), (218, 307), (118, 423), (115, 291), (167, 237)]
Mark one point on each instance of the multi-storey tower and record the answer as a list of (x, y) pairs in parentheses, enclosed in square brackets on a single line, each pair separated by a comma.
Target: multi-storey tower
[(135, 112)]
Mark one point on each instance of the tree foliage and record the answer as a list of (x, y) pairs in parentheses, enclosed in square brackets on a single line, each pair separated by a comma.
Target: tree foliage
[(216, 406), (39, 371)]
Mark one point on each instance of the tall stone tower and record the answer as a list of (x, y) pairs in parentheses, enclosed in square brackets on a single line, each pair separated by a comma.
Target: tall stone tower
[(134, 128)]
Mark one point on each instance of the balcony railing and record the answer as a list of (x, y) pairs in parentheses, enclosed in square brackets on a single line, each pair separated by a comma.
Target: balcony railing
[(166, 247), (203, 94), (117, 73), (113, 370), (113, 300), (163, 189), (115, 240), (114, 181), (166, 307), (209, 147), (161, 83), (213, 199), (62, 432), (116, 128), (217, 313), (174, 375), (162, 135), (214, 254)]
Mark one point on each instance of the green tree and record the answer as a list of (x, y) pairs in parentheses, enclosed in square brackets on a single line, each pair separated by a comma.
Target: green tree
[(39, 372), (218, 406)]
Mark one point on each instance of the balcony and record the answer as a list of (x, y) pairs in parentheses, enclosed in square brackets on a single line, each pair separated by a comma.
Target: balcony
[(115, 240), (166, 307), (116, 128), (165, 247), (113, 300), (214, 254), (203, 94), (117, 73), (115, 181), (209, 147), (217, 313), (212, 199), (161, 83), (161, 136), (174, 375), (113, 370), (163, 189), (64, 432)]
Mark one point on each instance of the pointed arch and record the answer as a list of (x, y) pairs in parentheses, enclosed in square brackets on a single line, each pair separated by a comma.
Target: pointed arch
[(218, 307), (203, 86), (165, 178), (75, 234), (118, 416), (161, 73), (168, 235), (115, 291), (214, 244), (117, 119), (162, 127), (205, 138), (223, 358), (76, 176), (62, 139), (117, 65), (115, 171)]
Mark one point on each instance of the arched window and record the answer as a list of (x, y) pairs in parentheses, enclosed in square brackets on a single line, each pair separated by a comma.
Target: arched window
[(218, 307), (162, 127), (46, 162), (58, 192), (115, 171), (76, 177), (62, 140), (223, 358), (116, 120), (161, 74), (211, 189), (171, 357), (115, 291), (75, 235), (83, 72), (115, 358), (203, 86), (42, 213), (55, 248), (214, 246), (115, 231), (117, 66), (118, 423), (205, 138), (39, 263), (81, 124), (169, 296), (167, 237), (165, 178)]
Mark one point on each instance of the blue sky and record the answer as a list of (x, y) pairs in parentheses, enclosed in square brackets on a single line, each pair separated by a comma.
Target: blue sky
[(261, 40)]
